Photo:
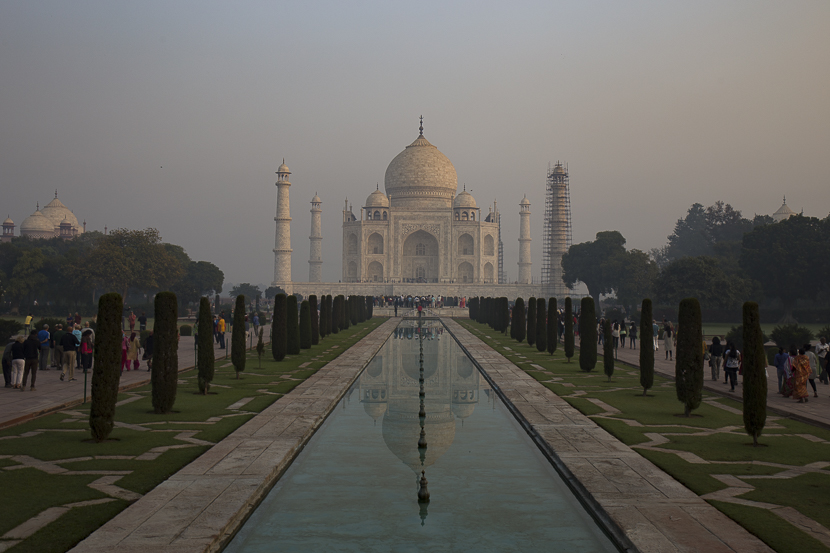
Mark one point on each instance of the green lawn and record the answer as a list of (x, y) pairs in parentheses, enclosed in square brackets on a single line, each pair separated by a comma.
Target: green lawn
[(716, 436), (143, 453)]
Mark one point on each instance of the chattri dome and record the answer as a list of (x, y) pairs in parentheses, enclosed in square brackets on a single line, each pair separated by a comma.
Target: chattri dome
[(464, 199), (377, 199), (421, 177)]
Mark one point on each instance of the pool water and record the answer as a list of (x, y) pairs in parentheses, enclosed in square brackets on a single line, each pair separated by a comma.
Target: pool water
[(355, 485)]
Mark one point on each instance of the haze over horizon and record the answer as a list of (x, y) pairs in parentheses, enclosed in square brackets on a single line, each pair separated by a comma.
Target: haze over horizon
[(177, 115)]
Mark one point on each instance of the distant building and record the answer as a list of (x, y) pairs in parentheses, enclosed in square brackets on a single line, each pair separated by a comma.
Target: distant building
[(53, 221), (784, 212)]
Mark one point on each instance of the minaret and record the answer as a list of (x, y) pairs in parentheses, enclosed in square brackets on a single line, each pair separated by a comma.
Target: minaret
[(315, 253), (282, 238), (524, 242)]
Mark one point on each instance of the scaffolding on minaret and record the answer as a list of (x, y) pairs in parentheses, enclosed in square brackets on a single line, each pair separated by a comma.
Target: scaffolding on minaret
[(557, 235), (502, 275)]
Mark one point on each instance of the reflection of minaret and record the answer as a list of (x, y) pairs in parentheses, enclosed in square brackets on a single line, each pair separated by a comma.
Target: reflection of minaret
[(315, 255), (282, 238), (524, 242)]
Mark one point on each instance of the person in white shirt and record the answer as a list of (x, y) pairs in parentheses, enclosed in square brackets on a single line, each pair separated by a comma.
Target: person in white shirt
[(822, 350)]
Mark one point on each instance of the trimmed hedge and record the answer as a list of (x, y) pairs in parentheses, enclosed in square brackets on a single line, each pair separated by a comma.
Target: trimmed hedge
[(165, 372), (279, 342), (106, 370), (755, 375), (689, 358), (206, 359), (186, 330), (238, 352)]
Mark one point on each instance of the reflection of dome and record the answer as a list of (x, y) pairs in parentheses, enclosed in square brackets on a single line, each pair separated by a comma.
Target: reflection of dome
[(58, 213), (374, 410), (377, 199), (37, 225), (421, 176), (375, 368), (464, 370), (401, 429), (464, 199), (412, 367), (463, 410)]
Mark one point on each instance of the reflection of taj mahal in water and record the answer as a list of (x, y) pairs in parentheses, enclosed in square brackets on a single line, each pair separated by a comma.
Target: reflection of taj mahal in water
[(389, 388)]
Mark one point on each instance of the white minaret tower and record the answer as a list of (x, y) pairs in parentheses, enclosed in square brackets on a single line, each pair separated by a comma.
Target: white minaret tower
[(282, 238), (315, 254), (524, 242)]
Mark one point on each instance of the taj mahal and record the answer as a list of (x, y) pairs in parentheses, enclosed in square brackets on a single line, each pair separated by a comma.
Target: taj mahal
[(419, 236)]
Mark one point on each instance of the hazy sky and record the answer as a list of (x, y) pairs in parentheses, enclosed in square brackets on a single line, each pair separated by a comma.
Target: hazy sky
[(176, 115)]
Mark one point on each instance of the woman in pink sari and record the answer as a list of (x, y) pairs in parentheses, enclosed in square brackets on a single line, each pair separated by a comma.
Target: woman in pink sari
[(801, 372)]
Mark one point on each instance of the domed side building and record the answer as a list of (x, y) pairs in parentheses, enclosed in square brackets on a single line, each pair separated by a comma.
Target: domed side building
[(54, 220), (421, 229)]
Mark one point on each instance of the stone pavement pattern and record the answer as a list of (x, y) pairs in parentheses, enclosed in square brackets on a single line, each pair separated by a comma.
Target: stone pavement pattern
[(656, 512), (199, 507)]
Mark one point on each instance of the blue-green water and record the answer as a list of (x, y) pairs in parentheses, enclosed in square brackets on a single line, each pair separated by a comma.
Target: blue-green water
[(354, 487)]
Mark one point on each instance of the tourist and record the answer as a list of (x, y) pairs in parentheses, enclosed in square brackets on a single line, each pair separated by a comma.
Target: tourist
[(56, 337), (632, 335), (18, 361), (133, 348), (70, 343), (148, 350), (88, 328), (811, 357), (70, 321), (142, 321), (623, 333), (801, 373), (77, 319), (131, 320), (732, 364), (31, 349), (615, 334), (27, 324), (86, 350), (221, 330), (655, 330), (125, 342), (256, 321), (782, 367), (44, 338), (716, 358), (821, 352), (668, 340), (7, 362)]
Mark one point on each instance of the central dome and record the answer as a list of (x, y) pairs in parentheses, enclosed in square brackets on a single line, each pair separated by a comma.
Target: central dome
[(421, 177)]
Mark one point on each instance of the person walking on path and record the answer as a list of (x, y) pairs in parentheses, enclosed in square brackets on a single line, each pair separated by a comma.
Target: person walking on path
[(732, 364), (811, 357), (70, 344), (655, 330), (782, 367), (18, 361), (221, 331), (7, 363), (668, 340), (256, 324), (133, 349), (86, 350), (31, 349), (44, 338), (623, 334), (632, 334), (56, 337), (616, 334), (716, 358), (131, 320), (77, 320), (27, 324), (821, 352), (142, 321), (801, 373)]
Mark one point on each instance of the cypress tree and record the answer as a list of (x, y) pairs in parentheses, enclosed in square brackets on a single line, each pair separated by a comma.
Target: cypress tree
[(106, 371), (329, 315), (279, 340), (362, 304), (646, 347), (334, 318), (206, 358), (238, 336), (541, 325), (755, 377), (315, 322), (569, 328), (352, 310), (305, 325), (504, 312), (325, 314), (688, 366), (519, 322), (260, 347), (608, 350), (292, 326), (370, 307), (345, 316), (165, 373), (553, 325), (587, 335), (531, 321)]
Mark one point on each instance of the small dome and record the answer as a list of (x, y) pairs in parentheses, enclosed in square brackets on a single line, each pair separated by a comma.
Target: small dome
[(464, 199), (524, 201), (377, 199), (784, 212), (8, 221), (316, 199), (37, 222), (283, 168)]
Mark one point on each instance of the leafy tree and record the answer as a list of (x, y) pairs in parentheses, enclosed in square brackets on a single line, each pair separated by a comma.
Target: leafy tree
[(238, 336), (783, 258), (595, 263), (292, 327), (541, 325), (315, 322), (587, 335), (553, 326), (702, 230), (279, 339), (637, 273), (519, 324), (755, 375), (700, 277), (245, 289), (201, 278), (531, 321), (646, 346), (689, 359), (305, 325), (273, 291), (165, 371), (786, 335), (608, 350), (26, 276), (106, 370), (206, 358), (569, 329)]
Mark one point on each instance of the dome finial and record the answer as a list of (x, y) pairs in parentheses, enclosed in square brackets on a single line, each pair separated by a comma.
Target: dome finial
[(785, 199), (56, 192), (377, 186), (37, 206), (421, 128)]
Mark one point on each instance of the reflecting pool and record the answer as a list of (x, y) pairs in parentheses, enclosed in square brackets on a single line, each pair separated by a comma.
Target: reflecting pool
[(355, 485)]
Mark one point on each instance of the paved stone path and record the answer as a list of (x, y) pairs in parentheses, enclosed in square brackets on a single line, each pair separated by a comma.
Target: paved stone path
[(654, 511), (198, 508), (52, 394)]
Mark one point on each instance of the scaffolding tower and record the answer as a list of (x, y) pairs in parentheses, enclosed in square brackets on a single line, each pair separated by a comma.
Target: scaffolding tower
[(502, 276), (557, 235)]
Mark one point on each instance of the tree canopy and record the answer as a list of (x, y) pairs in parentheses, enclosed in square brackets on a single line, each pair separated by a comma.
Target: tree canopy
[(701, 277), (246, 289), (595, 263)]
